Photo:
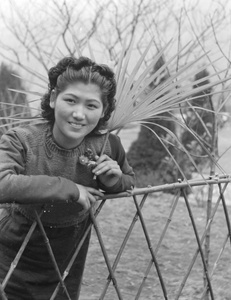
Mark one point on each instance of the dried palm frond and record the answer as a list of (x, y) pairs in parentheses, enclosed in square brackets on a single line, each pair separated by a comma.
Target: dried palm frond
[(136, 103)]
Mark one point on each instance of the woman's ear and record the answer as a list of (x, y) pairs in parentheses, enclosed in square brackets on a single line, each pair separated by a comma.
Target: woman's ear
[(104, 111), (103, 114), (52, 99)]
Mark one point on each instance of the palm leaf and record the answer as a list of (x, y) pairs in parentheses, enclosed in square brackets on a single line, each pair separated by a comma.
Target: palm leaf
[(34, 93), (194, 109), (166, 148), (143, 82), (178, 143), (156, 102), (17, 105), (129, 85), (133, 105)]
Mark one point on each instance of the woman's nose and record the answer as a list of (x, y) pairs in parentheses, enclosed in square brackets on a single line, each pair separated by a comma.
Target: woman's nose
[(78, 113)]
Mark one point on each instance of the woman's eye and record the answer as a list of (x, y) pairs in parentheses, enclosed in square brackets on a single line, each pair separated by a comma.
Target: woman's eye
[(70, 100), (92, 106)]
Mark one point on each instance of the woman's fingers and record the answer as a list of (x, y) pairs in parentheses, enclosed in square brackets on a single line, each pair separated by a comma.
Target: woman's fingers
[(95, 192), (88, 196), (106, 165)]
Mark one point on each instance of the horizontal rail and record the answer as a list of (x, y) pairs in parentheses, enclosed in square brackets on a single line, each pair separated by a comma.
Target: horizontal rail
[(217, 179)]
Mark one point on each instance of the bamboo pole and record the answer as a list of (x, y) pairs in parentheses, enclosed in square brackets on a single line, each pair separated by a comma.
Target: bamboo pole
[(215, 265), (165, 187), (199, 243), (93, 219), (14, 263), (122, 247), (47, 243), (214, 154), (67, 270), (225, 211), (150, 248), (171, 186), (19, 254), (158, 244), (207, 237), (2, 293)]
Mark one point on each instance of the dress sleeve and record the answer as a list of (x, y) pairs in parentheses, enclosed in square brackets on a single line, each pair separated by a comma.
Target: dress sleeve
[(16, 186), (127, 181)]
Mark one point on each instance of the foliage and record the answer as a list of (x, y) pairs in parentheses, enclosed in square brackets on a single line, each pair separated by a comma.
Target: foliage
[(147, 152), (199, 117)]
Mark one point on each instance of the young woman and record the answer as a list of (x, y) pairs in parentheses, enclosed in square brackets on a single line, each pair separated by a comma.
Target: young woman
[(54, 168)]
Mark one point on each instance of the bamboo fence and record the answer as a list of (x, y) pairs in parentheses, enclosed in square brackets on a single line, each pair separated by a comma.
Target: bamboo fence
[(179, 190)]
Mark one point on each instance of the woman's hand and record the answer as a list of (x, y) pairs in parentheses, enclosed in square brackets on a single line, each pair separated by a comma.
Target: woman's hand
[(88, 196), (107, 170)]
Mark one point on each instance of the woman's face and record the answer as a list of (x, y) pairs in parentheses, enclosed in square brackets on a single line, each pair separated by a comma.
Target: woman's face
[(77, 111)]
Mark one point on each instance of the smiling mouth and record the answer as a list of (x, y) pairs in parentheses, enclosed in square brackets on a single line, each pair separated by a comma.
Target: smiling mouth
[(75, 125)]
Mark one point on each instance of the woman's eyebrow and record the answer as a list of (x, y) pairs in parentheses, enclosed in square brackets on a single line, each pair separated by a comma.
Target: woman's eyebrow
[(71, 94), (77, 97)]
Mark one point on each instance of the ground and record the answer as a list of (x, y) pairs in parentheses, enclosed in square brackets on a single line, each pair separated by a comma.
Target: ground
[(174, 255)]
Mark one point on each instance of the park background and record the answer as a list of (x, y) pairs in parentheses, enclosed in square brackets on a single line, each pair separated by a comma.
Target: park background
[(35, 34)]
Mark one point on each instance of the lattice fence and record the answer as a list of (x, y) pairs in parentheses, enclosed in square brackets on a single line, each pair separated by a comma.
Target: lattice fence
[(158, 274)]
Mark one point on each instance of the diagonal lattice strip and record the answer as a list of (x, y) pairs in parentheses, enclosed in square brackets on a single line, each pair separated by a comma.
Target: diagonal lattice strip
[(215, 266), (176, 198), (118, 256), (19, 254), (150, 248), (225, 211), (105, 255), (199, 243), (66, 271), (2, 293), (46, 240)]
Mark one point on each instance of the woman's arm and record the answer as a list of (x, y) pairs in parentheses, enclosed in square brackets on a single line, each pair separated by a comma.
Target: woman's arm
[(16, 186), (117, 165)]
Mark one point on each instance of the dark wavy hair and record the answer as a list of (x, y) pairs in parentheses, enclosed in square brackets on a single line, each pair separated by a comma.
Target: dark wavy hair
[(70, 70)]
